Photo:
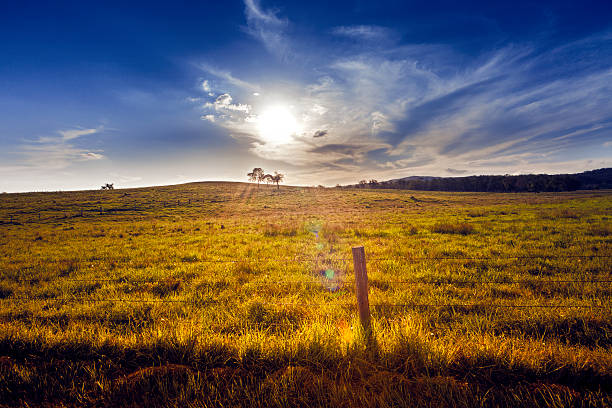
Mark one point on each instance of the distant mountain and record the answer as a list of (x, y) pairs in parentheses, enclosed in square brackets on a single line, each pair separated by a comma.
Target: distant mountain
[(588, 180)]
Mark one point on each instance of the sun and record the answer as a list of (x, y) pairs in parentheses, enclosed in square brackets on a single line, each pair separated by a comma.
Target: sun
[(277, 125)]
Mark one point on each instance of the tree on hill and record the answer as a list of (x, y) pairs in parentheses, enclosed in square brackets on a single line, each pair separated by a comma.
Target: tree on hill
[(257, 175), (261, 177), (269, 178), (277, 178), (108, 186)]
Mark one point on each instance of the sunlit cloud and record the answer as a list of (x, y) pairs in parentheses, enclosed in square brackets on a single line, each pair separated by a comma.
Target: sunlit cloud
[(331, 93), (91, 156), (224, 102), (398, 109)]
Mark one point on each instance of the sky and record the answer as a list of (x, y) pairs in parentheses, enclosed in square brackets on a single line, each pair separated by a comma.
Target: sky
[(154, 93)]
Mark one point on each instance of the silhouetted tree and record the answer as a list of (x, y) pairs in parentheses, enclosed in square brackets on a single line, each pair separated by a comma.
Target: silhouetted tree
[(268, 178), (108, 186), (277, 178), (594, 179), (261, 177), (256, 175)]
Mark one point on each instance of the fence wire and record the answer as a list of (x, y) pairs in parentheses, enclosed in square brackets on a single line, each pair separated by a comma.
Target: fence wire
[(339, 282), (322, 280), (310, 304)]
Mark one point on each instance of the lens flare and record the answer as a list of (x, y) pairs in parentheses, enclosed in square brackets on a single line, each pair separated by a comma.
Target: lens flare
[(345, 331)]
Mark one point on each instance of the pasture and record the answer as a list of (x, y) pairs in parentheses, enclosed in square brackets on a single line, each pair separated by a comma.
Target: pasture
[(226, 294)]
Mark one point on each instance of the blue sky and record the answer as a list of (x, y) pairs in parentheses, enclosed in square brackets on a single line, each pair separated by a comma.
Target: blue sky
[(156, 93)]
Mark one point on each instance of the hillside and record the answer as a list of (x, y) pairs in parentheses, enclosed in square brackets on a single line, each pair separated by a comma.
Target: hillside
[(588, 180), (225, 294)]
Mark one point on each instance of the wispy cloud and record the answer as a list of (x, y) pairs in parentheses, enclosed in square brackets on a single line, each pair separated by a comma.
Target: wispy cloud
[(59, 152), (266, 26), (75, 133), (230, 79), (124, 179), (394, 110), (365, 32)]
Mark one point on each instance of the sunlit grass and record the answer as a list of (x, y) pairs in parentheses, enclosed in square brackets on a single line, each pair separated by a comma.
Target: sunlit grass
[(223, 294)]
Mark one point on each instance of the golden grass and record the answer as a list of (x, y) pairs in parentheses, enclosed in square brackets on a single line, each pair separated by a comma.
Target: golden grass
[(210, 294)]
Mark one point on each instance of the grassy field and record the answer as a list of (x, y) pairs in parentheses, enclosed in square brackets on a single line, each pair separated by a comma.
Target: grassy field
[(225, 294)]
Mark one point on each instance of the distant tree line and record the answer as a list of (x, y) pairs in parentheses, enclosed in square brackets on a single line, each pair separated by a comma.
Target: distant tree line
[(589, 180), (259, 176)]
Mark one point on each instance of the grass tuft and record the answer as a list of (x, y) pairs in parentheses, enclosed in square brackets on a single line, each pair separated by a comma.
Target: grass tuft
[(462, 228)]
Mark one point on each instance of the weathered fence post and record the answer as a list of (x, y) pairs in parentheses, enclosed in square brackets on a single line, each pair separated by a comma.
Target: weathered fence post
[(361, 287)]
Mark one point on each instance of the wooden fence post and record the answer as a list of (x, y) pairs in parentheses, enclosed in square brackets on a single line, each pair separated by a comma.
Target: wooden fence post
[(361, 287)]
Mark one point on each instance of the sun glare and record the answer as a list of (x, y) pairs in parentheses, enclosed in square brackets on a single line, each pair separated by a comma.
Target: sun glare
[(277, 125)]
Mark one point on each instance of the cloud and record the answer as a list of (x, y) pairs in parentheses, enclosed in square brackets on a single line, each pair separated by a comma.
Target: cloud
[(318, 109), (455, 171), (91, 156), (59, 152), (75, 133), (210, 118), (394, 110), (224, 102), (267, 27), (230, 79), (122, 178), (206, 86), (345, 149), (364, 32)]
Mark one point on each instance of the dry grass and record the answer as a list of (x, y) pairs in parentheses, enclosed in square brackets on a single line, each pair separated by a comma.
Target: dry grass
[(135, 305), (462, 228)]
